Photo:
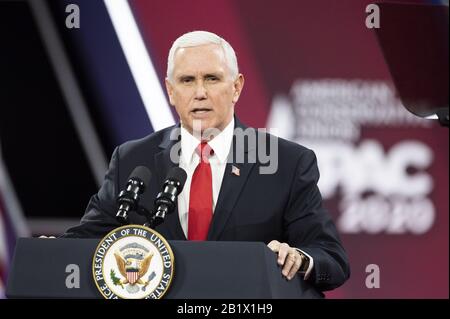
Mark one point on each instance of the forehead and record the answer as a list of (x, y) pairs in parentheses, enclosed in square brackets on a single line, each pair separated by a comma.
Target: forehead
[(203, 58)]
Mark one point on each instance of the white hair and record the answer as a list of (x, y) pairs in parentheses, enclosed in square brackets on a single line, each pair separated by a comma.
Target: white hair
[(197, 38)]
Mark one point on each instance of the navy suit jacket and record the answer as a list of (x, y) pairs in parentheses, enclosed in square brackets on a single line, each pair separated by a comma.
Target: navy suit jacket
[(286, 205)]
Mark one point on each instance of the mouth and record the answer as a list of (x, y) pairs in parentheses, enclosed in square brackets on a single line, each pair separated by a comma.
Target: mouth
[(199, 111)]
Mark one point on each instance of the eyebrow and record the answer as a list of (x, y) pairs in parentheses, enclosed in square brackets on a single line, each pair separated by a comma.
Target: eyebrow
[(185, 77), (217, 75), (207, 75)]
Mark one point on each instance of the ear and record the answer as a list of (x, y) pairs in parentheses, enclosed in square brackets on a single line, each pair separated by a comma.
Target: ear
[(169, 89), (238, 86)]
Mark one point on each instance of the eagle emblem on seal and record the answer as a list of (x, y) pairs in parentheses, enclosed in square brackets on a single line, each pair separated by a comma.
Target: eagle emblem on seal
[(133, 262)]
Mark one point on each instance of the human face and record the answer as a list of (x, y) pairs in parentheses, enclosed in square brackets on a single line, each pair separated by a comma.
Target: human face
[(202, 89)]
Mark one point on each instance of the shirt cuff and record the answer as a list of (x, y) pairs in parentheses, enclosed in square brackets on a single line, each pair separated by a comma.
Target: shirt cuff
[(307, 273)]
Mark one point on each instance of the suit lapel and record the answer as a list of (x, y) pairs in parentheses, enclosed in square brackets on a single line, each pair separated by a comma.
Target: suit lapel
[(231, 187), (164, 163)]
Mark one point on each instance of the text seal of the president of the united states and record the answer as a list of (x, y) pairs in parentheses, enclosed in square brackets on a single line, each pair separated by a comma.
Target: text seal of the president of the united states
[(133, 262)]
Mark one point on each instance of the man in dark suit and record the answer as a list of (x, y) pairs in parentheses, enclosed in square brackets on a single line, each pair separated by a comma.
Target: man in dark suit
[(230, 193)]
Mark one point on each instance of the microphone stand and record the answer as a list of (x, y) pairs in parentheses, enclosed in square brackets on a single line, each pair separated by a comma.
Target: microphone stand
[(155, 219)]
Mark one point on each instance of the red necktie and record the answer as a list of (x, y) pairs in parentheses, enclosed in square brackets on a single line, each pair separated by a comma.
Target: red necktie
[(200, 197)]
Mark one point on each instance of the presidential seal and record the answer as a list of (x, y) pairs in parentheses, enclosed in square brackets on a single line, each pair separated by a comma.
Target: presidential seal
[(133, 262)]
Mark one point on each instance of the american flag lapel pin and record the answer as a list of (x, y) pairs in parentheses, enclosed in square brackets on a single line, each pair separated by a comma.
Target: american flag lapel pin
[(235, 170)]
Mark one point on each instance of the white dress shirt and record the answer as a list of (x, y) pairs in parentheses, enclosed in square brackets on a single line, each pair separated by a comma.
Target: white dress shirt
[(189, 160)]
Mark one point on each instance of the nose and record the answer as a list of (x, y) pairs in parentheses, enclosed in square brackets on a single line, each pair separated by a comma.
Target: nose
[(200, 91)]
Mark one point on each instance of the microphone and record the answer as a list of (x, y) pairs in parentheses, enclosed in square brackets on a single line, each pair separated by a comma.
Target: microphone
[(165, 200), (128, 198)]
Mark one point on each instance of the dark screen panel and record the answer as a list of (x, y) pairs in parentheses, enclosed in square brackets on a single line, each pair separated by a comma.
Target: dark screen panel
[(39, 143)]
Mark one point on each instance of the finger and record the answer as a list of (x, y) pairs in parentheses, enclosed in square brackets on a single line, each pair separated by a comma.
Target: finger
[(282, 253), (290, 261), (274, 245), (295, 267)]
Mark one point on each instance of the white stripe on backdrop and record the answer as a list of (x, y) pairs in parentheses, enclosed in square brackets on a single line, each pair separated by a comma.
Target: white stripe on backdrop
[(140, 64), (12, 211)]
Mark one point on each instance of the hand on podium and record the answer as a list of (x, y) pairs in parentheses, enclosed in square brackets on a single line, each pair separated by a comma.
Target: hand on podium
[(288, 257)]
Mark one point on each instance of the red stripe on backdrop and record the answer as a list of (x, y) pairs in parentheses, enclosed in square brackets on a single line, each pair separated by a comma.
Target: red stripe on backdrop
[(278, 44), (161, 22)]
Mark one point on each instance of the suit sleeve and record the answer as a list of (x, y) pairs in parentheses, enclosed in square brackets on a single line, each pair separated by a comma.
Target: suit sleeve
[(99, 217), (311, 229)]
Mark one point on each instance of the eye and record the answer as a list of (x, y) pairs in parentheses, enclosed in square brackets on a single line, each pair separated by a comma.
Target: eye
[(186, 79), (212, 78)]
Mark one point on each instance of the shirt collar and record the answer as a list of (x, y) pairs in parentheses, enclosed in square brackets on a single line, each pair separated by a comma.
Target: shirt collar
[(220, 144)]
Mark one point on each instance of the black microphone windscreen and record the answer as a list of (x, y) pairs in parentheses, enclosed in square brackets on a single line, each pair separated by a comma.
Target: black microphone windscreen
[(142, 173), (178, 174)]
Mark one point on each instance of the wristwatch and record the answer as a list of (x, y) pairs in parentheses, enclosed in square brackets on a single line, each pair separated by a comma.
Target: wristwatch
[(305, 262)]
